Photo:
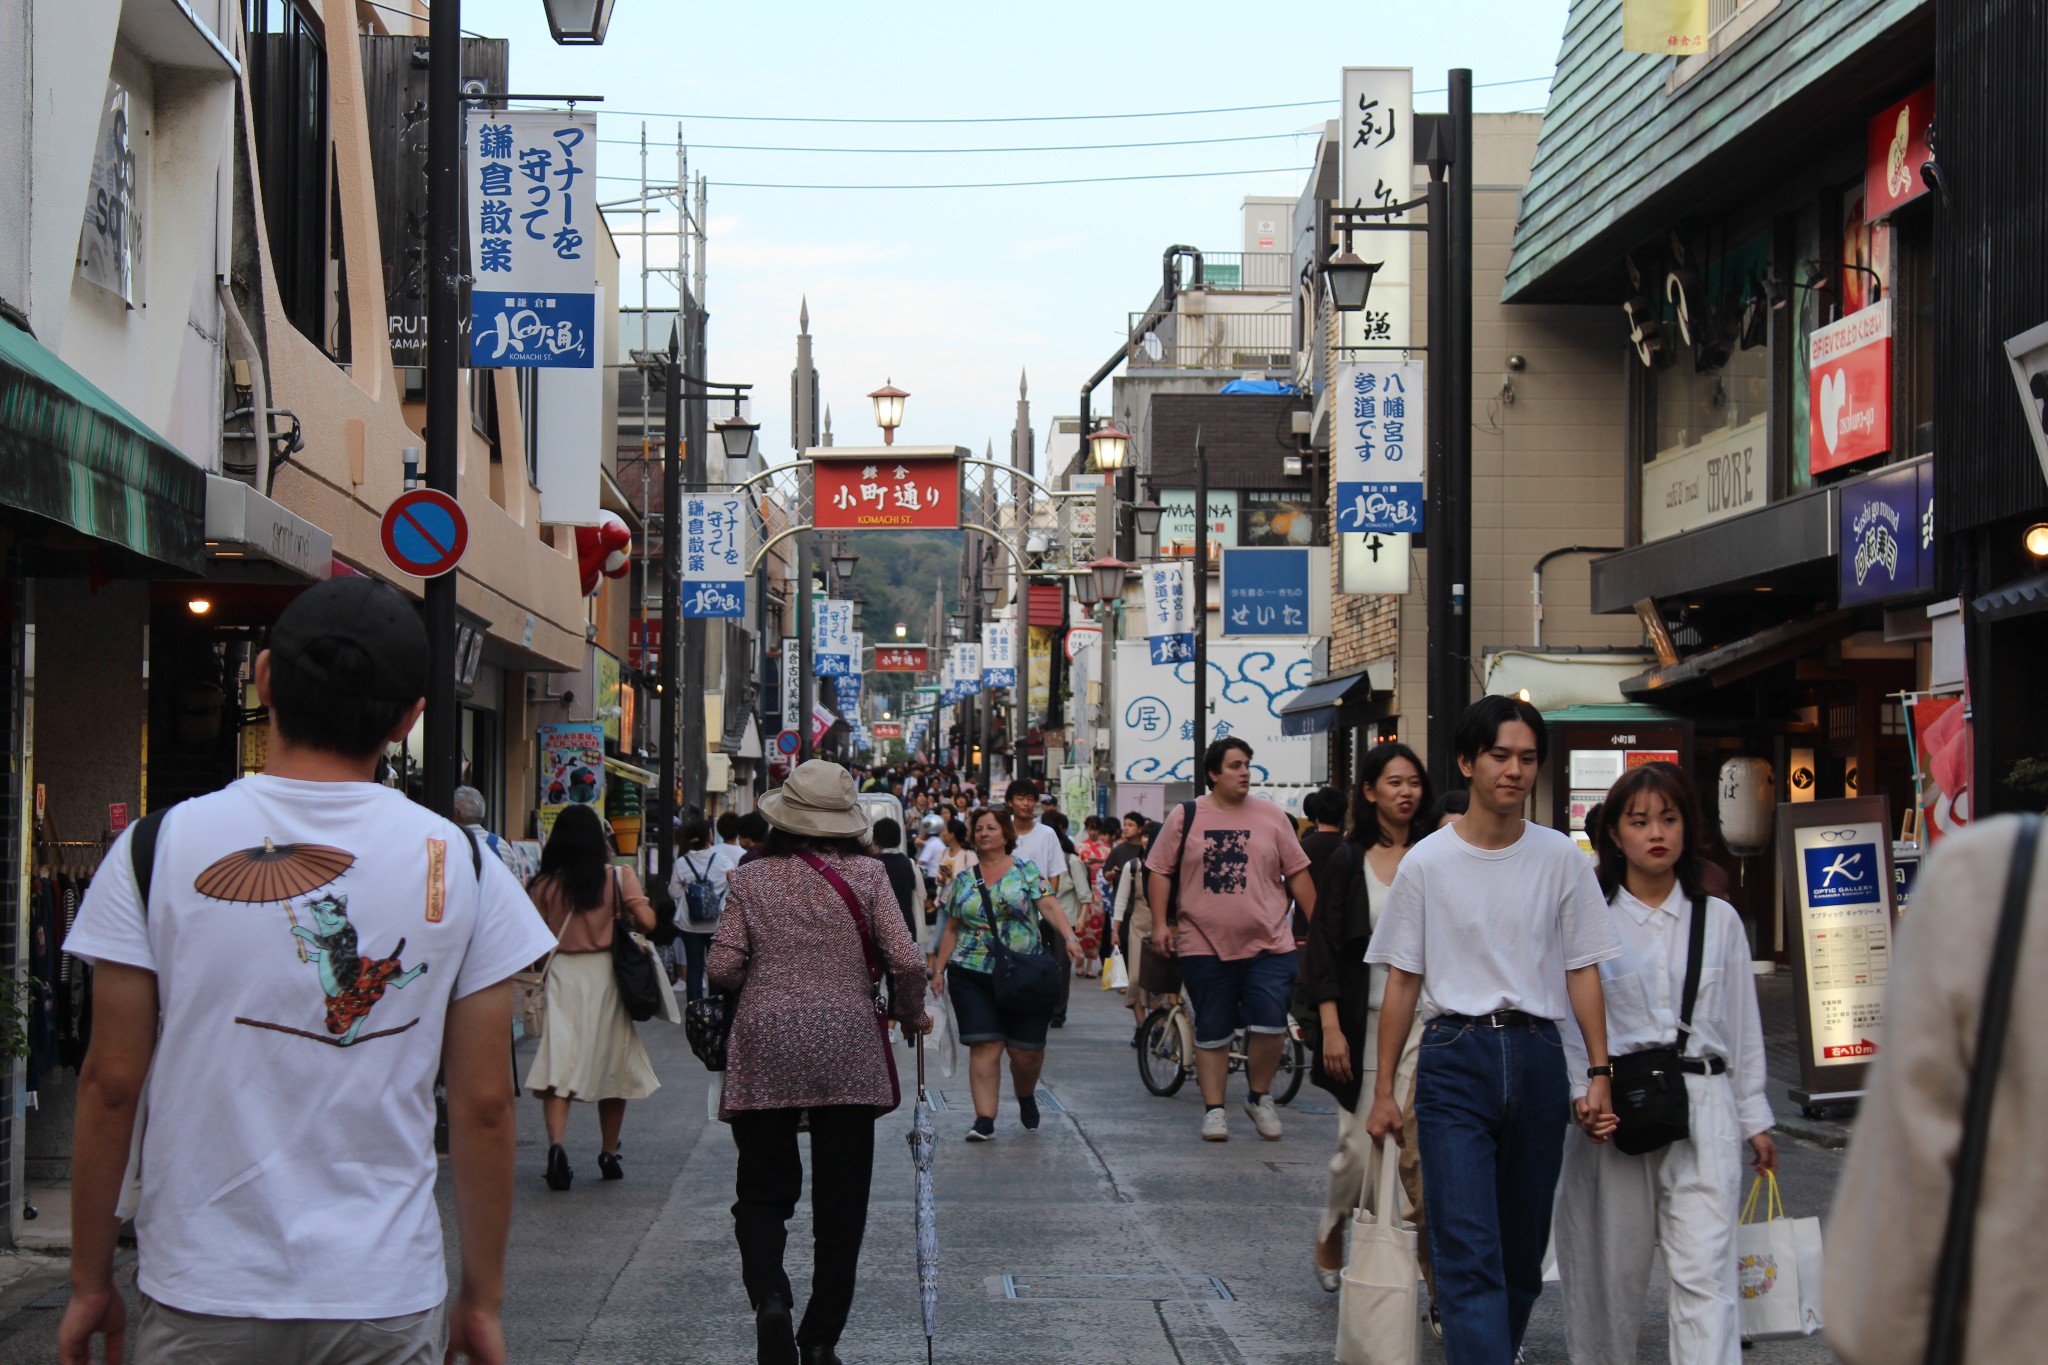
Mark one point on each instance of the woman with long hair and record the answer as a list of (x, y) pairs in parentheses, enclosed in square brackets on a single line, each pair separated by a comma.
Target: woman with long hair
[(810, 933), (1613, 1208), (1392, 808), (1006, 895), (590, 1050)]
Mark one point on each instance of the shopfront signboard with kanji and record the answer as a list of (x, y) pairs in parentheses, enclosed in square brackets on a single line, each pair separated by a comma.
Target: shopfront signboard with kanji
[(1376, 169), (902, 659), (1265, 592), (533, 231), (886, 491)]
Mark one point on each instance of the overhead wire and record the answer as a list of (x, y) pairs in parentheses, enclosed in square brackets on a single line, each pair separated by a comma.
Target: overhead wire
[(979, 151)]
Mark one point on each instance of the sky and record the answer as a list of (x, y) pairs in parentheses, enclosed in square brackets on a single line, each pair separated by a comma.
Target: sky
[(953, 293)]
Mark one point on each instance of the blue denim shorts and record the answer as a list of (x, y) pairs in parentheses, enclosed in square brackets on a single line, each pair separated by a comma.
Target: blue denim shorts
[(982, 1020), (1247, 992)]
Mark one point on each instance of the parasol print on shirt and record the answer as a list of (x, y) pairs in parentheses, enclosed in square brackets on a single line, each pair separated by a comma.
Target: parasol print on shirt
[(1226, 861), (350, 983)]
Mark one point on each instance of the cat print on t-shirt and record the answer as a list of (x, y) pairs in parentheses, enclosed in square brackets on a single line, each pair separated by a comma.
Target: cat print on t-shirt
[(1226, 861)]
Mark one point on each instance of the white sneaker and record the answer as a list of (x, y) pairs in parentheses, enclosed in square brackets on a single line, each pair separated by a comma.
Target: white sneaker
[(1214, 1127), (1265, 1118)]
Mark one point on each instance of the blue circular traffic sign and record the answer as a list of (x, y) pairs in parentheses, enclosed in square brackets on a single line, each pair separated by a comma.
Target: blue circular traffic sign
[(787, 742), (425, 533)]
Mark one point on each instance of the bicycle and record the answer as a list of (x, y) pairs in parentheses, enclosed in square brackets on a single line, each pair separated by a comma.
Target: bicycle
[(1166, 1054)]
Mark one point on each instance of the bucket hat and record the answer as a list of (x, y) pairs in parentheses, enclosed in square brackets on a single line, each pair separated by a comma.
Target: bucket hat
[(818, 801)]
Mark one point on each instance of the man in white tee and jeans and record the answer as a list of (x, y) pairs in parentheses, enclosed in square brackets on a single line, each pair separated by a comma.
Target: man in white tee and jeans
[(1497, 927), (314, 947), (1039, 846), (1236, 860)]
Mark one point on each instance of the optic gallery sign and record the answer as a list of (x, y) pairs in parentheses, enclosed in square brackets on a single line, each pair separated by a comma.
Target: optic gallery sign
[(1850, 386)]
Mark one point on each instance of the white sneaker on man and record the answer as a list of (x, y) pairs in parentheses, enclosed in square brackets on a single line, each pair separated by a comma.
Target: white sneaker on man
[(1214, 1127), (1265, 1118)]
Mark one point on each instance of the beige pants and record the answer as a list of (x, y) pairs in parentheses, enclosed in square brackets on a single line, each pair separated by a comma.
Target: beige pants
[(1354, 1169), (165, 1336)]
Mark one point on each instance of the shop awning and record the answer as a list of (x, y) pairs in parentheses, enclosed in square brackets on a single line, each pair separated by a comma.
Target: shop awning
[(249, 531), (71, 454), (618, 767), (2021, 598), (1756, 546), (1741, 658), (1315, 708)]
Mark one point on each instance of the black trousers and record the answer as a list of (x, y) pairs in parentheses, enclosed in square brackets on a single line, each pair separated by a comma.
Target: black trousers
[(771, 1177)]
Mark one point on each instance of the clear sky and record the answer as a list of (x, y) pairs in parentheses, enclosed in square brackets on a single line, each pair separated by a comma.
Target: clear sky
[(952, 293)]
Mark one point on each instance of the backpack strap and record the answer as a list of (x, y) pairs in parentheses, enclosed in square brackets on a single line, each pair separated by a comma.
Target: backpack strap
[(476, 852), (1187, 823), (142, 854)]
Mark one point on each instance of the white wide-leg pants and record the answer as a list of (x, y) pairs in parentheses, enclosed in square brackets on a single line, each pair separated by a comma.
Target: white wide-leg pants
[(1614, 1209)]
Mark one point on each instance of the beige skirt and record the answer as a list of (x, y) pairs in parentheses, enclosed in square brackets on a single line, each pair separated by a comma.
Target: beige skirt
[(590, 1050)]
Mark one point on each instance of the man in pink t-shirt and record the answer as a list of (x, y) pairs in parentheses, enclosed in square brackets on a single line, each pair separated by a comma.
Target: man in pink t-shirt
[(1230, 874)]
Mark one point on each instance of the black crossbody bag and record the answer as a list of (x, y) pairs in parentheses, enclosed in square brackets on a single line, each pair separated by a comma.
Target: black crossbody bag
[(1649, 1086), (1028, 983)]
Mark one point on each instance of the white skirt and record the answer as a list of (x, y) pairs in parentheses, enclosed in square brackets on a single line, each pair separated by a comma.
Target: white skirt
[(590, 1051)]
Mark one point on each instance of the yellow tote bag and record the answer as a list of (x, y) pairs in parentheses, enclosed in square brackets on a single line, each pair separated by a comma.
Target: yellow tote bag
[(1677, 27)]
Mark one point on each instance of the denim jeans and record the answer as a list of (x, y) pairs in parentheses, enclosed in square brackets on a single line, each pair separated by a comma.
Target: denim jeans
[(1491, 1110)]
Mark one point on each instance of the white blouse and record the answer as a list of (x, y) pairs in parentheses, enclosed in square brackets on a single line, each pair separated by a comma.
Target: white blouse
[(1646, 984)]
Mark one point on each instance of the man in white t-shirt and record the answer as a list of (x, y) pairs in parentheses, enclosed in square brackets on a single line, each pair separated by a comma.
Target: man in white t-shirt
[(1038, 845), (1497, 927), (314, 947)]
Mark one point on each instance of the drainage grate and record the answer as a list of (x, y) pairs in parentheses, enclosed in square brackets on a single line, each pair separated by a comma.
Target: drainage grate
[(937, 1100), (1115, 1288), (1050, 1102), (54, 1298)]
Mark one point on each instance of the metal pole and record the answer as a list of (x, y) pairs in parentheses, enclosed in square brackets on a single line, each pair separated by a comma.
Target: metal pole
[(443, 738), (807, 436), (1437, 365), (695, 472), (1458, 405), (1201, 608), (662, 827)]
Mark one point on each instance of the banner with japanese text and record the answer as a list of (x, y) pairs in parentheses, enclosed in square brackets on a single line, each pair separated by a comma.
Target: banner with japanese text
[(1379, 445), (532, 228), (1169, 613), (792, 682), (902, 659), (1377, 170), (1675, 27), (917, 492), (1265, 592), (832, 653), (999, 661), (966, 662), (715, 556)]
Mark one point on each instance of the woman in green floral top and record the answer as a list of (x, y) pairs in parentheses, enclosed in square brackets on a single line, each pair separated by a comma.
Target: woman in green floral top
[(1017, 895)]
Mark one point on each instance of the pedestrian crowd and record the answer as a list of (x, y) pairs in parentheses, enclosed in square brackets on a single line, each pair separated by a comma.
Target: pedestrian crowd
[(1557, 1053)]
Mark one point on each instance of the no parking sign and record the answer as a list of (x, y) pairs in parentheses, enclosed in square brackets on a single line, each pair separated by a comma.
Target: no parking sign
[(425, 533)]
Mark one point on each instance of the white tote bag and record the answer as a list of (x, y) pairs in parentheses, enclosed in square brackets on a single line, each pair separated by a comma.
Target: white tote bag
[(1379, 1308), (1778, 1269)]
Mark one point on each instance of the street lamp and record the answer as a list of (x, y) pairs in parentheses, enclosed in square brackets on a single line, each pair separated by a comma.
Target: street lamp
[(1109, 578), (843, 561), (1111, 445), (578, 21), (1349, 278), (1085, 590), (902, 631), (888, 402), (1145, 516), (991, 593), (736, 434), (860, 606)]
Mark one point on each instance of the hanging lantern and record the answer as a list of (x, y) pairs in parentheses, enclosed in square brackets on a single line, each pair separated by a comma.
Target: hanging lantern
[(1749, 802)]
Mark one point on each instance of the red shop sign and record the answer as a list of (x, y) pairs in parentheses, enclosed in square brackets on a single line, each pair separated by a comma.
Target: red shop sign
[(1849, 380), (902, 659), (913, 493), (888, 729), (1898, 148)]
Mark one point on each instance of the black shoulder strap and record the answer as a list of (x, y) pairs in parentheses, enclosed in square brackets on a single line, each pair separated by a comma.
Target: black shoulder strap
[(476, 852), (1696, 948), (142, 854), (1187, 822), (1952, 1273)]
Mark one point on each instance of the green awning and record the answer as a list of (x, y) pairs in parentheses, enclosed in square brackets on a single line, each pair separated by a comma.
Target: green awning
[(73, 455)]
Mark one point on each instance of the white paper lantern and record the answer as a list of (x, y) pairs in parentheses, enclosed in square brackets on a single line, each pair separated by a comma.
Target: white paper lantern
[(1749, 800)]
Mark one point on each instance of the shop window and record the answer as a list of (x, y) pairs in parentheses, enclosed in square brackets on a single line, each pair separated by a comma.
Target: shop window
[(1911, 288), (1723, 380), (1806, 307), (288, 92), (483, 407)]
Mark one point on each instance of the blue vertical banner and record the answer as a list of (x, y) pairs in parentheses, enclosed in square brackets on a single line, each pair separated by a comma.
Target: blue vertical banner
[(715, 556), (1379, 444), (533, 233), (1265, 592)]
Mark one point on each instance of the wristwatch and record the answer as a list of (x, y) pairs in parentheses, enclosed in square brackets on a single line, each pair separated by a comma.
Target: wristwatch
[(1594, 1071)]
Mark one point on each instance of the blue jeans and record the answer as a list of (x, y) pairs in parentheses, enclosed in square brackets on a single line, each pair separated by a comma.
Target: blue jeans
[(1491, 1110), (1242, 993), (696, 948)]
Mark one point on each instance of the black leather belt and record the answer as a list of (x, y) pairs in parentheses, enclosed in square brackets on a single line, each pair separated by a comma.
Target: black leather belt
[(1703, 1066), (1497, 1019)]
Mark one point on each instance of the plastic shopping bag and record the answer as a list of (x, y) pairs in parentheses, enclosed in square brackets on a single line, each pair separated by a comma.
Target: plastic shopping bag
[(1778, 1267), (1379, 1310), (1116, 976)]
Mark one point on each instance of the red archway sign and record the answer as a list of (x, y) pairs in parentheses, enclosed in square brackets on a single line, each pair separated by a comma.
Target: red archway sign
[(425, 533)]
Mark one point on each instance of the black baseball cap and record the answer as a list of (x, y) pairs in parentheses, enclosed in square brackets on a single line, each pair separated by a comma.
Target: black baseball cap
[(374, 617)]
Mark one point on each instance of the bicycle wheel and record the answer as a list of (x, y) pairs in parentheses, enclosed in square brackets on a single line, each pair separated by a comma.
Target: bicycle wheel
[(1160, 1064), (1293, 1066)]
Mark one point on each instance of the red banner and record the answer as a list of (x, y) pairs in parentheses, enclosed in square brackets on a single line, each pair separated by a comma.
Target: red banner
[(1850, 387), (1898, 148), (888, 729), (916, 493), (902, 659)]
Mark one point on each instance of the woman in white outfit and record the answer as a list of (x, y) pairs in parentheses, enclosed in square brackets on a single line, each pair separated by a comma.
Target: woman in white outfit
[(1393, 807), (1613, 1209)]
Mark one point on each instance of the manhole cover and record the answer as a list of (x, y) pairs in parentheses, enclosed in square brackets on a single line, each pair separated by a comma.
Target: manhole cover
[(55, 1298), (1119, 1288)]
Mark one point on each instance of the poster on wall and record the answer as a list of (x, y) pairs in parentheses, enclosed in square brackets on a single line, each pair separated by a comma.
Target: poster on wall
[(1838, 878), (571, 769), (1153, 736), (107, 244), (1275, 519)]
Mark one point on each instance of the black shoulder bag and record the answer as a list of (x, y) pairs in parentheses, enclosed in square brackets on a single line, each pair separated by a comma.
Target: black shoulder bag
[(1028, 983), (1649, 1086), (1945, 1329), (632, 965)]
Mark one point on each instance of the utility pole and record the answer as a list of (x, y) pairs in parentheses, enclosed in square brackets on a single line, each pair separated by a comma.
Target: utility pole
[(443, 739), (1198, 773), (1450, 427), (696, 474), (806, 437)]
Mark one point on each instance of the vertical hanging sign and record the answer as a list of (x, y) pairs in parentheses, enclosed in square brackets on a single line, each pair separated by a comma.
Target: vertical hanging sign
[(714, 556), (999, 667), (832, 639), (1168, 628), (792, 683), (531, 181), (967, 669), (1376, 170), (1380, 445)]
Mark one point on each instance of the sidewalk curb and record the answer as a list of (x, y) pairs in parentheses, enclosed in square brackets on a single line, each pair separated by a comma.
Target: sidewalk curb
[(1831, 1136)]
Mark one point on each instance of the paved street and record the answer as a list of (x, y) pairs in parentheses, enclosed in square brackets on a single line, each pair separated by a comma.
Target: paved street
[(1111, 1235)]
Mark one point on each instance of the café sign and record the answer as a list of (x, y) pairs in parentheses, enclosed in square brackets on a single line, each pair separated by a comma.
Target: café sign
[(1723, 476)]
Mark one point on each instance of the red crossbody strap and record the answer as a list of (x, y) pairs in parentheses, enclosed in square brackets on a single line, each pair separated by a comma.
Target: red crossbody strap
[(860, 919)]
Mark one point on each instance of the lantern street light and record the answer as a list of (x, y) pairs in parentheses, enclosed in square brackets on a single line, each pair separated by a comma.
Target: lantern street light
[(1349, 279), (843, 561), (1111, 445), (902, 631), (1145, 516), (991, 593), (736, 434), (888, 402), (1108, 575), (574, 22)]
